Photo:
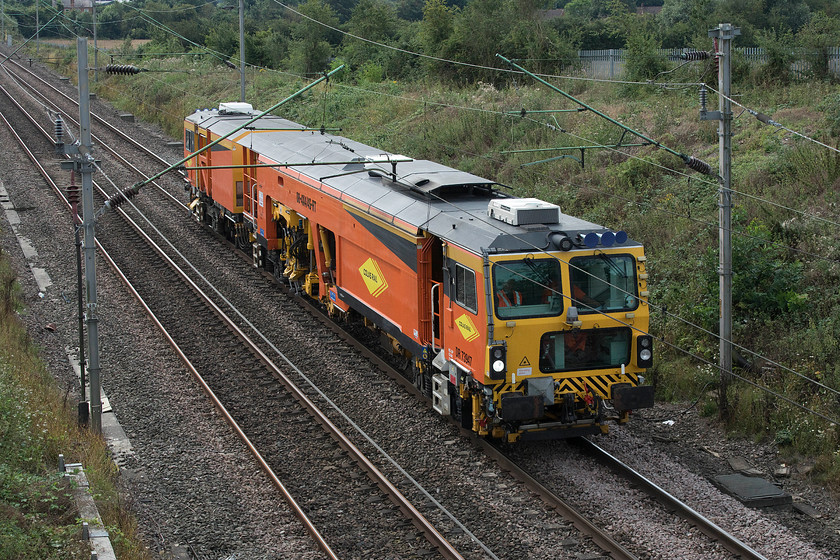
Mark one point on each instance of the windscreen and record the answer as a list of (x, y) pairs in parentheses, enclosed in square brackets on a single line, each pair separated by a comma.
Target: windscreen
[(605, 283), (584, 349), (527, 288)]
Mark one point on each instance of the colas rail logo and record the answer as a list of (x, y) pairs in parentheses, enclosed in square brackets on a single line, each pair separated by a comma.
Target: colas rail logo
[(373, 277), (467, 327)]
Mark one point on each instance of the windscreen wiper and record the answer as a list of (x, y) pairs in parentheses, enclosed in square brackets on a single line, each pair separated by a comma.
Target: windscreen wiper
[(605, 257)]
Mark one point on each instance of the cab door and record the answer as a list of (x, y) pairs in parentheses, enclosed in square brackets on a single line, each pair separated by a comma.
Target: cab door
[(464, 318), (430, 276)]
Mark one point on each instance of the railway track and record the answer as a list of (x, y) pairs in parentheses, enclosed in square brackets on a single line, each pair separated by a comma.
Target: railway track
[(320, 370), (243, 387), (729, 541), (602, 538), (133, 261)]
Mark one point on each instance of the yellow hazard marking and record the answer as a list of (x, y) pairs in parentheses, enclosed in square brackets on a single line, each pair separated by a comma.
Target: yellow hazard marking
[(467, 327), (524, 362), (373, 277)]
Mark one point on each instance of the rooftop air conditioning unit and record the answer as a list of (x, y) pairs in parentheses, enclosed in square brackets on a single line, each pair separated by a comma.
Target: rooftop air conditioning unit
[(235, 108), (523, 211)]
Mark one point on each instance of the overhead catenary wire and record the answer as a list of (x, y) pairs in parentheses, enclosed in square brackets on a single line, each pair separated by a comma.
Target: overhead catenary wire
[(761, 117), (692, 56), (690, 161), (498, 69), (670, 170)]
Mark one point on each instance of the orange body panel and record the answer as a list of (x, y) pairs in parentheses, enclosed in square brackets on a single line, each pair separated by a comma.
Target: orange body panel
[(465, 330), (365, 267)]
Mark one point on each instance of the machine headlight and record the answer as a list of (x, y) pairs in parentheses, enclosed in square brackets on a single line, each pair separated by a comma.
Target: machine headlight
[(498, 362), (644, 351)]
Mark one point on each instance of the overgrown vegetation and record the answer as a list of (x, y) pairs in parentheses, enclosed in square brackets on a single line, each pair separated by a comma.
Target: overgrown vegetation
[(38, 518), (786, 252), (306, 37), (783, 260)]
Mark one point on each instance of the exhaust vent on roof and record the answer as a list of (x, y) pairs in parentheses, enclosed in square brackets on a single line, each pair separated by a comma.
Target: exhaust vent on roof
[(523, 211)]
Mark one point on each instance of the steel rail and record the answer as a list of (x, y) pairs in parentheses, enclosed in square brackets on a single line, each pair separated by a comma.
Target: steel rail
[(98, 140), (296, 508), (692, 516), (93, 115), (582, 523), (408, 509)]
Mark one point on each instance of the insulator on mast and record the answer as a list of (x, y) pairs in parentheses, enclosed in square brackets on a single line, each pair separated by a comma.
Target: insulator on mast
[(122, 69), (717, 56), (703, 98), (122, 196), (696, 55), (697, 165), (59, 129)]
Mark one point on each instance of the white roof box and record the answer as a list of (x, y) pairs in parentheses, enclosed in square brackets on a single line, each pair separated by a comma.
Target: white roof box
[(523, 211), (235, 108)]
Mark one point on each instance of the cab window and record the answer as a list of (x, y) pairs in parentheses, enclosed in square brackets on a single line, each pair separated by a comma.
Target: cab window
[(584, 349), (603, 283), (527, 288), (465, 293)]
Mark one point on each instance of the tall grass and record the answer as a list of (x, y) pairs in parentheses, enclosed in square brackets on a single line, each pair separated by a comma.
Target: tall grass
[(37, 422)]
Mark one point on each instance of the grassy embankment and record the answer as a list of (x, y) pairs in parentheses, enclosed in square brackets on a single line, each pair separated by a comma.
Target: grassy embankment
[(38, 517), (784, 243)]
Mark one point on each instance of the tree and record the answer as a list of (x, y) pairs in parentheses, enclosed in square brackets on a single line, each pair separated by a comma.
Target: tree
[(116, 21), (435, 30), (375, 20), (437, 25), (310, 48), (643, 59), (821, 33), (223, 38), (778, 48), (410, 10), (466, 44)]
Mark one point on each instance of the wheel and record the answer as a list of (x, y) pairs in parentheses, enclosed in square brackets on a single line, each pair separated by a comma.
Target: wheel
[(279, 266), (217, 222)]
